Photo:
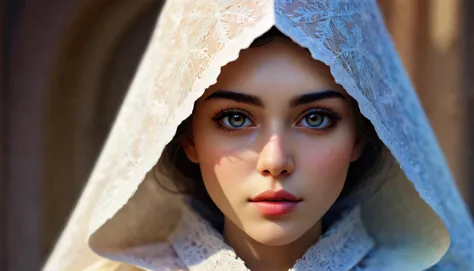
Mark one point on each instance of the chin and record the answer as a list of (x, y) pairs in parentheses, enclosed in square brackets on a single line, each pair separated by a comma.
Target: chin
[(274, 234)]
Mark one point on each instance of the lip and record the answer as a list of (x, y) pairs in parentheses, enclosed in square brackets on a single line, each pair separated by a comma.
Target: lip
[(275, 203)]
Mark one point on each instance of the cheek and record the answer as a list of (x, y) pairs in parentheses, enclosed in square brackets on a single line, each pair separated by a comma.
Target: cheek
[(221, 154), (223, 164), (223, 159), (325, 162), (223, 171), (326, 156)]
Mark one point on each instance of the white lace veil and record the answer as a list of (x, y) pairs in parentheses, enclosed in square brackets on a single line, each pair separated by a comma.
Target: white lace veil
[(416, 224)]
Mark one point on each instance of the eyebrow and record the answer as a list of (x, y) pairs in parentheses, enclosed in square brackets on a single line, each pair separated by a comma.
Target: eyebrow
[(256, 101), (237, 97), (315, 96)]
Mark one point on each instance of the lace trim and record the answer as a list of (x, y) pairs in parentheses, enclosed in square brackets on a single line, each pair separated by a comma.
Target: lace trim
[(341, 248), (200, 247), (156, 257), (107, 209)]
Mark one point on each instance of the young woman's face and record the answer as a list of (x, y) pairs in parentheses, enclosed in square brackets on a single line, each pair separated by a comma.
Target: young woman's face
[(274, 122)]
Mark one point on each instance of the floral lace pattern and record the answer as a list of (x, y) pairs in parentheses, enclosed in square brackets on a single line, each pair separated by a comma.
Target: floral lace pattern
[(157, 257), (192, 41), (197, 246), (350, 37)]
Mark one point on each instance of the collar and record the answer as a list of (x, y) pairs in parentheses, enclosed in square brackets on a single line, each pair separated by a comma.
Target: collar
[(200, 247)]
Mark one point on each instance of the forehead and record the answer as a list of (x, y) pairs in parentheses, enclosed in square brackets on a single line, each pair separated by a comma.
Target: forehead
[(277, 67)]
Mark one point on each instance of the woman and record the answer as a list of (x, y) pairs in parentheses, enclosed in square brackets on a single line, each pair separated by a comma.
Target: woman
[(274, 167)]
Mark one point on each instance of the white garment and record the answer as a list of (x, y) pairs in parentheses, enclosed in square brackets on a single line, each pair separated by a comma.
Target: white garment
[(416, 216), (197, 246)]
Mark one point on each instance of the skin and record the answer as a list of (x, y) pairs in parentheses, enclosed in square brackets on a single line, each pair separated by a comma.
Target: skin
[(247, 145)]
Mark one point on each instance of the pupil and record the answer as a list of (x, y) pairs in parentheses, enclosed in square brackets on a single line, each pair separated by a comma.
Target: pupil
[(314, 119), (237, 120)]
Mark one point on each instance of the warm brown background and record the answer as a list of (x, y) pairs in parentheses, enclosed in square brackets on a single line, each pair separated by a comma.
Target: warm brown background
[(67, 63)]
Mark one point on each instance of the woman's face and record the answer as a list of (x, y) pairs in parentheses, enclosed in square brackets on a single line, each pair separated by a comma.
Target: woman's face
[(274, 122)]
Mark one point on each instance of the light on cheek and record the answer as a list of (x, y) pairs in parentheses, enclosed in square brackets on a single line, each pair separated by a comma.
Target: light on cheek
[(327, 160), (233, 161)]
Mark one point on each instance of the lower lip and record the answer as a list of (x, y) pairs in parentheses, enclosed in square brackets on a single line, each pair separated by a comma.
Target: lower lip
[(275, 208)]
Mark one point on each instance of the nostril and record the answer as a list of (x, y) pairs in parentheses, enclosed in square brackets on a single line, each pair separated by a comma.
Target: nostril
[(275, 173)]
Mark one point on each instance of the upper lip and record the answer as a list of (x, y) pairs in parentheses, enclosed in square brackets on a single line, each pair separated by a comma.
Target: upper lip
[(280, 195)]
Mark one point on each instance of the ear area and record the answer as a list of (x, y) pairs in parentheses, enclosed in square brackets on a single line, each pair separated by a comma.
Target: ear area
[(359, 146), (190, 149)]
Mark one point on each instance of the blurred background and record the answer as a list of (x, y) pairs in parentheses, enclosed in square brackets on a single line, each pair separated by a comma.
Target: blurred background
[(66, 65)]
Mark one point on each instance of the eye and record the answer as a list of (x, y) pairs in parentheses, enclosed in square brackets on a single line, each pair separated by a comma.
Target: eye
[(233, 120), (318, 119)]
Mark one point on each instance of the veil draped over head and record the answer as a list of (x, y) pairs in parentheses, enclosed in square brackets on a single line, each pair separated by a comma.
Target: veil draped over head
[(416, 216)]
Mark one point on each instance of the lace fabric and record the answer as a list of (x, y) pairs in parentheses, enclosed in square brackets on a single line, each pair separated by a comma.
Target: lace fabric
[(183, 58), (124, 216), (196, 246), (351, 39)]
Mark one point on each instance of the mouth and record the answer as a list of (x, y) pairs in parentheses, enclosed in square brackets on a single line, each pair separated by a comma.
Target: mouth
[(275, 203), (275, 196)]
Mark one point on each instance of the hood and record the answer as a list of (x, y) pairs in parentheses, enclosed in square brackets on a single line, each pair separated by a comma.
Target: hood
[(416, 216)]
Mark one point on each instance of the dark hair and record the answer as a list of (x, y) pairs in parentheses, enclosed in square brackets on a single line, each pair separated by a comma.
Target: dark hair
[(175, 164)]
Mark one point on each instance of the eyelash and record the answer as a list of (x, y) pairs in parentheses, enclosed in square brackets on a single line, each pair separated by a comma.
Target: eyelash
[(227, 113), (331, 115)]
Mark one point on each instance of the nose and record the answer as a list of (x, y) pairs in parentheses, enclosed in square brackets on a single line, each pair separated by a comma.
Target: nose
[(274, 160)]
